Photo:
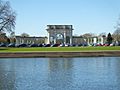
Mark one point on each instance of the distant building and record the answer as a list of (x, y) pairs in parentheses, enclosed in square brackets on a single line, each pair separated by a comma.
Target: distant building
[(78, 40), (61, 34), (89, 41), (30, 40)]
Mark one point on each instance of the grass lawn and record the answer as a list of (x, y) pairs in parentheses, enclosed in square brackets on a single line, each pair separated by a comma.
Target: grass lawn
[(59, 49)]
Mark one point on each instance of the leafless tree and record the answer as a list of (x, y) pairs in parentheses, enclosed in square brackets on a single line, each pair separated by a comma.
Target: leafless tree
[(116, 34), (7, 17)]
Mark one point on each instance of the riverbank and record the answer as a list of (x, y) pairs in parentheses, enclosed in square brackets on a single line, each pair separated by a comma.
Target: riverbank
[(58, 49), (113, 53)]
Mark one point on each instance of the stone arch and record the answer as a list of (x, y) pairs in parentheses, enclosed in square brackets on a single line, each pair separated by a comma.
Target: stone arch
[(61, 33), (59, 38)]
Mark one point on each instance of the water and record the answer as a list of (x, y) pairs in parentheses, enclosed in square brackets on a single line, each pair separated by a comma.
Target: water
[(101, 73)]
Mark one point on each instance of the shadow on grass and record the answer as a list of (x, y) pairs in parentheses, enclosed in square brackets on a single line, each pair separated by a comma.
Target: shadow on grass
[(1, 49)]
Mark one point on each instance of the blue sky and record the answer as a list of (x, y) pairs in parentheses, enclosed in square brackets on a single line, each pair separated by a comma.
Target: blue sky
[(86, 16)]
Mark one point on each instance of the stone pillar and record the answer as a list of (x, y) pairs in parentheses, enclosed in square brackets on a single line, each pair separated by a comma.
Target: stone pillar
[(64, 37), (48, 38), (22, 41), (95, 40), (55, 37), (91, 40), (54, 40), (17, 40), (102, 40), (70, 36), (88, 41)]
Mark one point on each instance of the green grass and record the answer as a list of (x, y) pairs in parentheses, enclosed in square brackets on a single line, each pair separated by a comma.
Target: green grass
[(59, 49)]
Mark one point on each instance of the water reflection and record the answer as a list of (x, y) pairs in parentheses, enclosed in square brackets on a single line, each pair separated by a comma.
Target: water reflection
[(102, 73), (60, 73), (7, 78)]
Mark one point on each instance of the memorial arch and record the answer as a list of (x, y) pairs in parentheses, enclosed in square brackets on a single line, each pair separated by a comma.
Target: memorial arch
[(59, 34)]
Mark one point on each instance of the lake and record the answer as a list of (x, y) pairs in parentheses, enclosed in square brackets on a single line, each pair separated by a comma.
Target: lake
[(84, 73)]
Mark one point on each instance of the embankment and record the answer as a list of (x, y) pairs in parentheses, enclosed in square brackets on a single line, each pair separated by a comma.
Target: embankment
[(60, 54)]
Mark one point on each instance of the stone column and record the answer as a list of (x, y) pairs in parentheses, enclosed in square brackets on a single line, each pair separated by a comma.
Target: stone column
[(48, 38), (22, 41), (70, 36), (55, 37), (95, 40), (54, 40), (17, 40), (88, 41), (91, 41), (102, 40), (64, 37)]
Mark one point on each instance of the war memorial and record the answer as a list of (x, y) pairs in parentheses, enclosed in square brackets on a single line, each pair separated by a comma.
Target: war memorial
[(61, 34)]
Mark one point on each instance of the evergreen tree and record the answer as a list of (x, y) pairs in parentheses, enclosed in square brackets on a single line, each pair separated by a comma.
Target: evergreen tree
[(109, 38)]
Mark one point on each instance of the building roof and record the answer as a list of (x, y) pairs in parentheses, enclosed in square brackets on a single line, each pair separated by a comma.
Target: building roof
[(69, 27), (29, 37)]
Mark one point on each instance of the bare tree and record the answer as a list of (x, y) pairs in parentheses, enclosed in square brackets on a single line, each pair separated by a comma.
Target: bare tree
[(116, 34), (7, 17)]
